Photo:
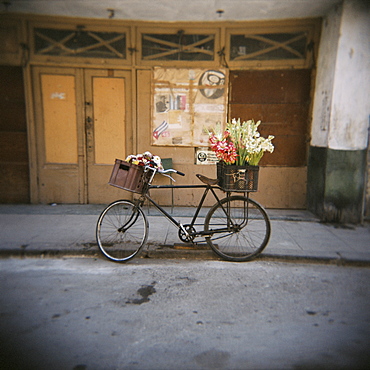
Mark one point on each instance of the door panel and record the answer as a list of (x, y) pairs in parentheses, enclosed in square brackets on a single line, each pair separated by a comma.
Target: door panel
[(109, 118), (59, 147), (281, 100), (108, 129), (60, 123), (14, 167)]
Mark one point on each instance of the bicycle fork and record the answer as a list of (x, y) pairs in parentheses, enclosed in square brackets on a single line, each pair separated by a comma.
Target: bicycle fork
[(133, 217)]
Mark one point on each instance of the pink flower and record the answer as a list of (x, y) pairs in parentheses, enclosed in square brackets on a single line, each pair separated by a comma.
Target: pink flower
[(225, 149)]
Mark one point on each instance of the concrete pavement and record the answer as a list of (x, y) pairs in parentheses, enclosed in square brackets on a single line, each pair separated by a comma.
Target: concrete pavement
[(62, 230)]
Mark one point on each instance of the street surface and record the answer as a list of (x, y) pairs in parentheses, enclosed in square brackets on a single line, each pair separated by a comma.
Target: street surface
[(90, 313)]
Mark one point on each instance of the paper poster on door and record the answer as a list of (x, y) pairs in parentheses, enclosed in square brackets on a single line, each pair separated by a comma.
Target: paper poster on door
[(185, 103)]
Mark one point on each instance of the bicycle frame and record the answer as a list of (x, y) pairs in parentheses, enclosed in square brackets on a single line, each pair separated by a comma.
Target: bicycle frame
[(208, 188), (197, 211)]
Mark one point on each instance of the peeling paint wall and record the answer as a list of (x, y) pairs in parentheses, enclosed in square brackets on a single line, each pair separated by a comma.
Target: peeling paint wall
[(351, 103), (325, 77), (337, 176), (341, 101)]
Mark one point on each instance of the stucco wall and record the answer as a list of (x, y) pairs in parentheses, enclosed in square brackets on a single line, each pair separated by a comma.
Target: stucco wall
[(325, 78), (337, 173), (341, 102), (351, 91)]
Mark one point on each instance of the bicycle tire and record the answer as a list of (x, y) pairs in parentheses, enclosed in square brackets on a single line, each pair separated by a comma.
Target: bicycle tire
[(121, 231), (247, 238)]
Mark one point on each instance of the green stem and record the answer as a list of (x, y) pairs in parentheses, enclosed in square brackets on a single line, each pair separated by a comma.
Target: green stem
[(241, 160), (255, 158)]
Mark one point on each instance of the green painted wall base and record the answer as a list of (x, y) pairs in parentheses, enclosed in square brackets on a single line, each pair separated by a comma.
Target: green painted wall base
[(335, 184)]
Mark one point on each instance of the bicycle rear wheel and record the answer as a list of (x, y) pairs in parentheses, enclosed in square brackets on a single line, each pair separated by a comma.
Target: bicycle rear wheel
[(243, 235), (121, 231)]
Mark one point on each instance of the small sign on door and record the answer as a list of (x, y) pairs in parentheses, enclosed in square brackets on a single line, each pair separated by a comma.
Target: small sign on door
[(205, 156), (58, 95)]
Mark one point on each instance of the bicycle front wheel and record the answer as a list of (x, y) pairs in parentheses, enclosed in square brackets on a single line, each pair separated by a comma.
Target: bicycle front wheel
[(121, 231), (239, 228)]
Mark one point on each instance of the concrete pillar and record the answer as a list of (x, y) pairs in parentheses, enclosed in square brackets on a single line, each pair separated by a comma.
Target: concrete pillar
[(341, 111)]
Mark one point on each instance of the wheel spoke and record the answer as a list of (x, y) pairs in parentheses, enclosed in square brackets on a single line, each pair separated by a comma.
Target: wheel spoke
[(249, 235), (121, 231)]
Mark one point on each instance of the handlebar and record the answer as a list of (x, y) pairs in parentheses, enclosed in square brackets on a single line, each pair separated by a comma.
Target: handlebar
[(171, 170), (163, 172)]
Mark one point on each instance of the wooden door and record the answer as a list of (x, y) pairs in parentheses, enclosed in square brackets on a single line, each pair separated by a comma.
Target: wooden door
[(14, 169), (83, 124), (59, 138), (108, 129), (281, 100)]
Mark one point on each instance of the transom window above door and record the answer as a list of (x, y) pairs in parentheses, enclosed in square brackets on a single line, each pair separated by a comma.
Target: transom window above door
[(268, 46), (73, 42), (273, 45), (236, 45), (80, 42), (177, 46)]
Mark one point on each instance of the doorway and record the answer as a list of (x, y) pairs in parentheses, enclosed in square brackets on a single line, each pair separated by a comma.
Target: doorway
[(281, 99), (83, 123), (14, 169)]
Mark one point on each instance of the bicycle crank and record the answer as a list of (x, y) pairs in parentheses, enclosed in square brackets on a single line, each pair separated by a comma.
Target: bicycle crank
[(187, 233)]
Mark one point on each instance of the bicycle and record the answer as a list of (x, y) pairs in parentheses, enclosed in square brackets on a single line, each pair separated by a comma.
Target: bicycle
[(236, 228)]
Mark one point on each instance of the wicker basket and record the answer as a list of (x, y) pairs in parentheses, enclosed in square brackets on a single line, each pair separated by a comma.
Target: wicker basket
[(128, 176), (237, 178)]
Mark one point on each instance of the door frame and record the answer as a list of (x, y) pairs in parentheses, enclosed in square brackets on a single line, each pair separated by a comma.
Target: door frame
[(38, 162)]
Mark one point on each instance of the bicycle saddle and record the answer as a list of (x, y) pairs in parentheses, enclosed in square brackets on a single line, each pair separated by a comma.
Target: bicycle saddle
[(207, 180)]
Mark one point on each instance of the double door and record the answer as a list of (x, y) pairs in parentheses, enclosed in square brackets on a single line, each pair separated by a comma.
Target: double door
[(82, 124)]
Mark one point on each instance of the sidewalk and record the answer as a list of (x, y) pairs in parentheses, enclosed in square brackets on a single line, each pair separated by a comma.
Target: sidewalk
[(61, 230)]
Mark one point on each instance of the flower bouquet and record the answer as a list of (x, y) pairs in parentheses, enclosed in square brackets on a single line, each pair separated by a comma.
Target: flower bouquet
[(239, 148), (145, 159)]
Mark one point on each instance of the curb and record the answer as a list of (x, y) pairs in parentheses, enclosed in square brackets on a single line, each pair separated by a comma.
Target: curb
[(90, 250)]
